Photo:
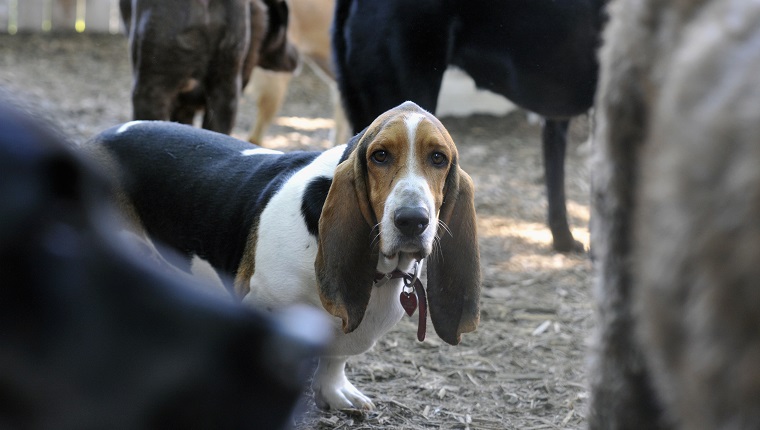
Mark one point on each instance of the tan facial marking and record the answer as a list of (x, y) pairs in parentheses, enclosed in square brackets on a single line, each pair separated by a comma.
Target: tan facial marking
[(382, 176), (408, 161), (432, 140)]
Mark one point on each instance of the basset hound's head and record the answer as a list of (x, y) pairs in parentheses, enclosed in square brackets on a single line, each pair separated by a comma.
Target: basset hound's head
[(401, 196)]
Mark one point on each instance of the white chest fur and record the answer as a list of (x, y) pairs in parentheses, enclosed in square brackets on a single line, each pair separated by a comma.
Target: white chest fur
[(284, 265), (285, 251)]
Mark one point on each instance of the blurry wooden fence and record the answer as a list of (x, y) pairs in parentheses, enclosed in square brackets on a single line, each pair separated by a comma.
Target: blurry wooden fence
[(25, 16)]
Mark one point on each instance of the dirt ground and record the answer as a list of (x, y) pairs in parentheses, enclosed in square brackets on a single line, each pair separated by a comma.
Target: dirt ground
[(524, 366)]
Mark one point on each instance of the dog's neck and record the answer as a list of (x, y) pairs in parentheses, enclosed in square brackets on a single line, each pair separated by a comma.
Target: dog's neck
[(413, 293)]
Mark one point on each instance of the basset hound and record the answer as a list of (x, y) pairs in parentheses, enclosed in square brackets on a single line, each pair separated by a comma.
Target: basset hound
[(340, 229)]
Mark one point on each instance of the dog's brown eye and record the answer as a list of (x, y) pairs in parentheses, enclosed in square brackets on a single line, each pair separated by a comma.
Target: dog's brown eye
[(438, 159), (380, 156)]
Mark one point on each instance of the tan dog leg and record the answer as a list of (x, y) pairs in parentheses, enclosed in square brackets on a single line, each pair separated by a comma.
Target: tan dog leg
[(341, 131), (269, 89)]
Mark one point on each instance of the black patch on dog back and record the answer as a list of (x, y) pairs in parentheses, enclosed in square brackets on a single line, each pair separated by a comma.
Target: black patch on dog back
[(313, 199), (194, 189)]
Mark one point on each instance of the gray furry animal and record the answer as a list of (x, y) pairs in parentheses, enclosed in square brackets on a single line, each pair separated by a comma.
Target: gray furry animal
[(676, 217)]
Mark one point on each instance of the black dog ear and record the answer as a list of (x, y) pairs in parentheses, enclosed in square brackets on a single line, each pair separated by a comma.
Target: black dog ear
[(454, 272), (277, 53), (346, 263)]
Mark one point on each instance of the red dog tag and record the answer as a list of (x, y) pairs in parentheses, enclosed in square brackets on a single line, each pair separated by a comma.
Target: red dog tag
[(408, 302)]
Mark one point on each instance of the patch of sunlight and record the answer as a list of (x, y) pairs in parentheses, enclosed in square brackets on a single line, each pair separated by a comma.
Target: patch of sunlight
[(582, 235), (305, 124), (283, 142), (522, 247), (533, 233), (578, 211), (530, 263), (499, 226)]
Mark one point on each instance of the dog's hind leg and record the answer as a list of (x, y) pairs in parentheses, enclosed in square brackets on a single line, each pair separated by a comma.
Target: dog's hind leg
[(151, 100), (270, 89), (554, 138)]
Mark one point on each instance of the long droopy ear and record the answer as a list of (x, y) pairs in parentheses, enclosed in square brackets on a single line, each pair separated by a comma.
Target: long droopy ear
[(454, 271), (346, 262)]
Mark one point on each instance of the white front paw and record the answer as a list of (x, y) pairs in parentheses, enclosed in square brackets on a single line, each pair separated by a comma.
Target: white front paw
[(332, 390), (344, 396)]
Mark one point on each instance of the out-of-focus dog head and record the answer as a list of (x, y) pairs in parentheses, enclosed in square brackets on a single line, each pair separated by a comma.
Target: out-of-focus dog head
[(93, 334)]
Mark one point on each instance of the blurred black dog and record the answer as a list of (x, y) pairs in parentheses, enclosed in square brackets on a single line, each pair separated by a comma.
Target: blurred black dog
[(92, 336)]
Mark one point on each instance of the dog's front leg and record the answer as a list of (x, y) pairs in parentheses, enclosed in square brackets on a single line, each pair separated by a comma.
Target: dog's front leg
[(332, 390), (331, 387)]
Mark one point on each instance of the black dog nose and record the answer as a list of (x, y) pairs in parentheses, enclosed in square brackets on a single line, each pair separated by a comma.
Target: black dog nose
[(411, 221)]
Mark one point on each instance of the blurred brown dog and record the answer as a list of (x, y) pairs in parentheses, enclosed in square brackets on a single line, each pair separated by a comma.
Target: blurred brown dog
[(198, 56)]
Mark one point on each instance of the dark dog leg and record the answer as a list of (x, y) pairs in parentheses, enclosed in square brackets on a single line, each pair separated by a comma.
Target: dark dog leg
[(187, 105), (223, 86), (555, 141), (221, 108), (184, 114), (151, 100)]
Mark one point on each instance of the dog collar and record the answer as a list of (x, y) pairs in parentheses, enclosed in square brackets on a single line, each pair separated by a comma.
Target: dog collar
[(412, 294)]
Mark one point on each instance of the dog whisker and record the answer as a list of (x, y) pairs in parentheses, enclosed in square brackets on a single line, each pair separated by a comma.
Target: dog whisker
[(437, 250), (445, 227), (376, 239)]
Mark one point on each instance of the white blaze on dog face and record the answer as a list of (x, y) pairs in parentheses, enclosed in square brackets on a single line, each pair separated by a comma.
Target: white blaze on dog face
[(408, 161)]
